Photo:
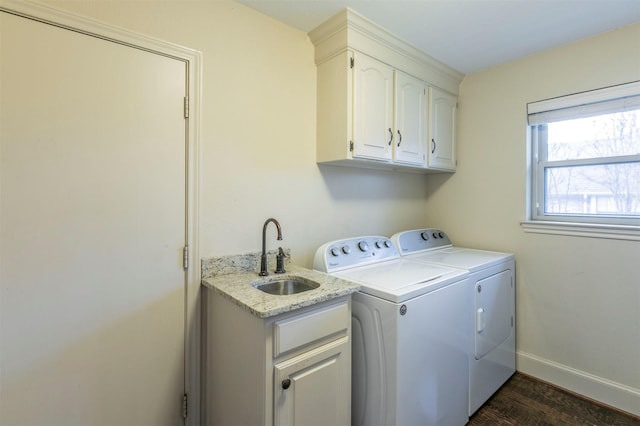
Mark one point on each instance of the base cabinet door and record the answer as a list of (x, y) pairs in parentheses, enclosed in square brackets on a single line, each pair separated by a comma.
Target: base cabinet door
[(314, 387)]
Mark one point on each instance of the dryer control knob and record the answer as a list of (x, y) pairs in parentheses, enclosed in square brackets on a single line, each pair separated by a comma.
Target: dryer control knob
[(425, 236), (440, 234), (363, 246), (346, 249), (334, 252), (435, 235), (387, 243), (379, 244)]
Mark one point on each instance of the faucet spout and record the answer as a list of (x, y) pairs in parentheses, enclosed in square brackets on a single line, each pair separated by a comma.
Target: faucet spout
[(263, 258)]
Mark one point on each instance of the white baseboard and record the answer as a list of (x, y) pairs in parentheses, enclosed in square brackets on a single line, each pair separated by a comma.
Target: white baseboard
[(617, 395)]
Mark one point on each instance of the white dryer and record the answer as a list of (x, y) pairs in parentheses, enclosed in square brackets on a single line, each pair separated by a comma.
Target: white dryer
[(410, 334), (492, 293)]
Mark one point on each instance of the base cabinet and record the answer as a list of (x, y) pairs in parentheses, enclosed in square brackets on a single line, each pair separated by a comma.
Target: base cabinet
[(291, 369)]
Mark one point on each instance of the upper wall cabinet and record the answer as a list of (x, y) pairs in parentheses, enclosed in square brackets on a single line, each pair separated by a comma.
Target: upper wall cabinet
[(389, 114), (380, 100)]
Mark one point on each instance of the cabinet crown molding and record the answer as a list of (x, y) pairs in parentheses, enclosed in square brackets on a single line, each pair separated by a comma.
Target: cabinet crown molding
[(348, 30)]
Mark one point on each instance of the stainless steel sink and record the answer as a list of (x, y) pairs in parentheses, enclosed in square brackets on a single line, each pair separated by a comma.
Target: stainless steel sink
[(286, 286)]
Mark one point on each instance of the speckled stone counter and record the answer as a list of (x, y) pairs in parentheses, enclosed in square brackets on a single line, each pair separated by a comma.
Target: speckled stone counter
[(234, 277)]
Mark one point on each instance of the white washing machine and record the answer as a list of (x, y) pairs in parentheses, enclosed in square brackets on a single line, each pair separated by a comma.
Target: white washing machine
[(492, 357), (409, 334)]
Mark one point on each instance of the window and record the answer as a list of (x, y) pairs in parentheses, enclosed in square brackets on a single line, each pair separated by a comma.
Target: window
[(586, 157)]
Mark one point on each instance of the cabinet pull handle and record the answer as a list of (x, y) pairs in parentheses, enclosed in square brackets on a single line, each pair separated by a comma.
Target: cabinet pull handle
[(399, 138), (286, 383), (433, 145), (390, 136)]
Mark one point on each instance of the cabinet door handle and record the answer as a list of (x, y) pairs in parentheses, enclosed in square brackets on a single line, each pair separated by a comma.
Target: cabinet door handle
[(399, 138), (286, 383), (390, 136), (433, 145)]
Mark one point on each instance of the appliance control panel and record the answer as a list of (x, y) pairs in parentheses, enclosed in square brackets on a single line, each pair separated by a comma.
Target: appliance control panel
[(358, 251), (420, 239)]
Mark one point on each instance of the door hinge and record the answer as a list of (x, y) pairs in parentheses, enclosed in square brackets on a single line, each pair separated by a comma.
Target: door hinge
[(352, 62), (186, 107), (184, 406), (351, 146), (185, 258)]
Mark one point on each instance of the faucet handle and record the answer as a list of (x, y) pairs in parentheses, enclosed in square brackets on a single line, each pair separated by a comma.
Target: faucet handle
[(280, 261)]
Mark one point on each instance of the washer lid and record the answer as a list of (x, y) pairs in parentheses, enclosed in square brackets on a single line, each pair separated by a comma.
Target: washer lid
[(398, 280), (465, 258)]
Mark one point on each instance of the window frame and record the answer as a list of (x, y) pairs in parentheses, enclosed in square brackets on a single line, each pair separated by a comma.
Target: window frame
[(538, 114)]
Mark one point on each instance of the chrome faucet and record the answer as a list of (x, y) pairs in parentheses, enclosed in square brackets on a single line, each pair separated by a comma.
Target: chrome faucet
[(263, 258)]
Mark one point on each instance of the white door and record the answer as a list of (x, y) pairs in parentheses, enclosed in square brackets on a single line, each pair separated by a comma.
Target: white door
[(92, 230), (411, 118), (372, 109), (442, 126)]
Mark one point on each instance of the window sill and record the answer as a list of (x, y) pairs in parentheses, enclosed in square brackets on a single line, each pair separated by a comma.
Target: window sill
[(612, 232)]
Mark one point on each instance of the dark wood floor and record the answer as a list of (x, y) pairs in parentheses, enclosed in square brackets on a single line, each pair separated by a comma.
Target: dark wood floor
[(524, 401)]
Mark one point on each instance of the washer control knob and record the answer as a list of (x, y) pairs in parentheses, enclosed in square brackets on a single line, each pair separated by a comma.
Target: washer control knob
[(346, 249), (387, 243), (425, 236), (435, 235), (440, 234), (379, 244), (363, 246), (334, 252)]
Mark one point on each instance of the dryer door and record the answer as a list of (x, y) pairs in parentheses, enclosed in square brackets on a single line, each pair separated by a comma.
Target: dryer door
[(494, 319)]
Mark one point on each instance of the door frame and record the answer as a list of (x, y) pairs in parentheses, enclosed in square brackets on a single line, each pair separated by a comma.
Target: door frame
[(193, 62)]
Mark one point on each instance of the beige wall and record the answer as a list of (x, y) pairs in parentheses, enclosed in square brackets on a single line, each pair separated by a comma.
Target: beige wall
[(257, 156), (258, 133), (578, 299)]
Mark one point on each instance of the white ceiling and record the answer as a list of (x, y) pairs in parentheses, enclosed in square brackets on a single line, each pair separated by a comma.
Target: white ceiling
[(470, 35)]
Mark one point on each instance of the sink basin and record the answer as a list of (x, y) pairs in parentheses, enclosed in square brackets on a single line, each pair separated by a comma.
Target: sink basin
[(286, 286)]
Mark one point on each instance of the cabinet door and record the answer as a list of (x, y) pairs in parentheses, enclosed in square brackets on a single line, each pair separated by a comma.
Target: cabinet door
[(410, 120), (442, 125), (372, 109), (315, 387)]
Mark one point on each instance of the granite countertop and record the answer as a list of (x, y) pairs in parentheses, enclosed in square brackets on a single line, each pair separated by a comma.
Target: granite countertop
[(234, 277)]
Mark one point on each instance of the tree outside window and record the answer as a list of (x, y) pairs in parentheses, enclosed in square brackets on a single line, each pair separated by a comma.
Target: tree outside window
[(591, 165)]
